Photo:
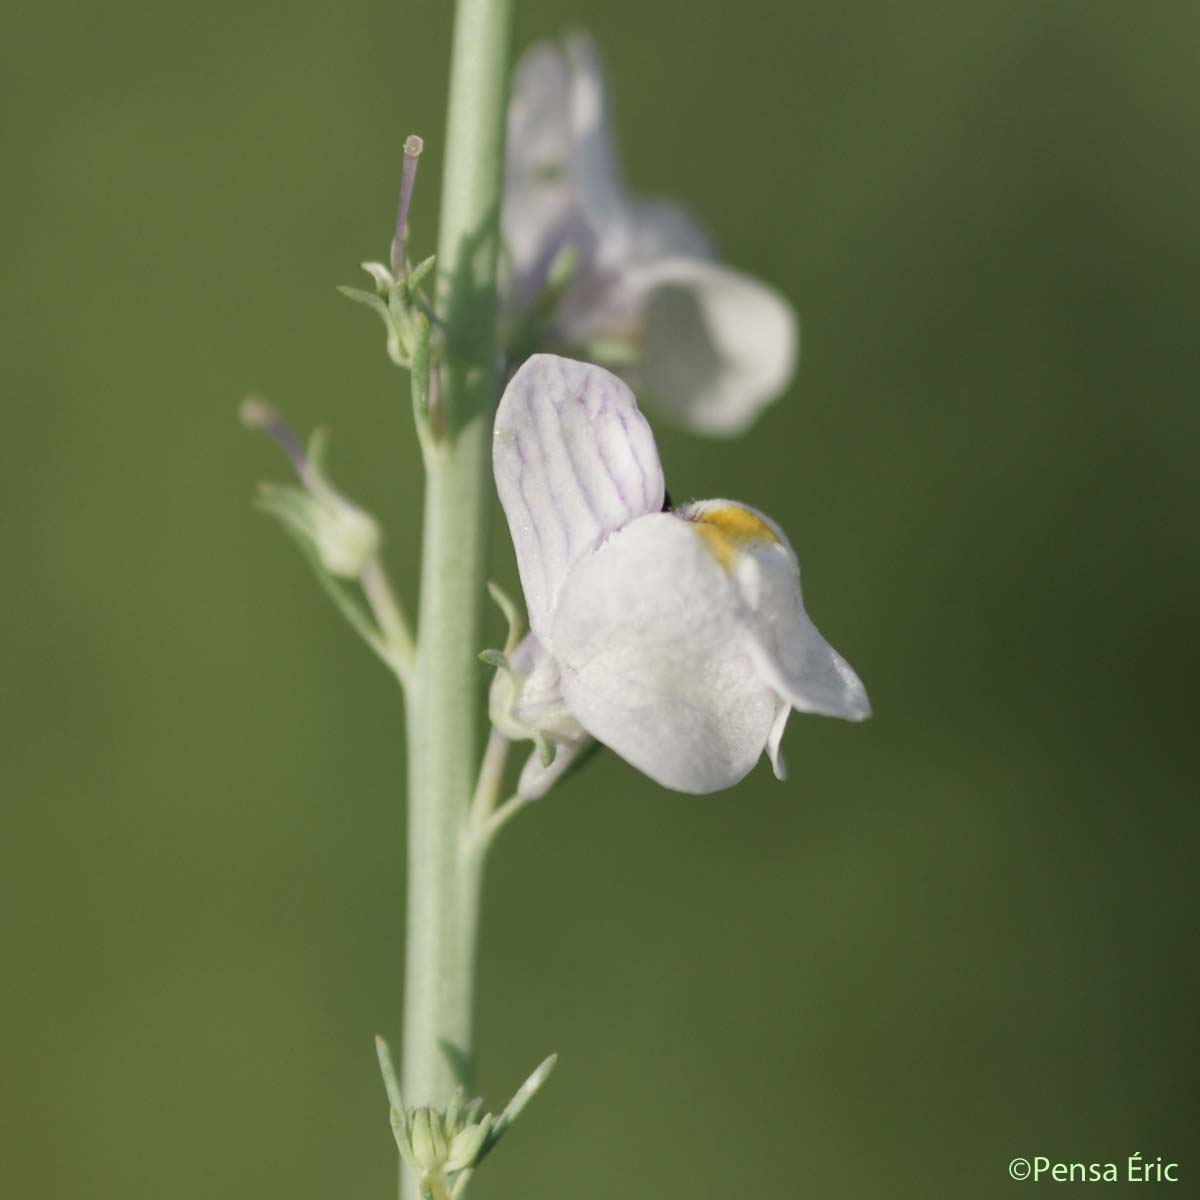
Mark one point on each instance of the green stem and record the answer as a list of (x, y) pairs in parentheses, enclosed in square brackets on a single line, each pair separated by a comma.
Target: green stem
[(443, 880)]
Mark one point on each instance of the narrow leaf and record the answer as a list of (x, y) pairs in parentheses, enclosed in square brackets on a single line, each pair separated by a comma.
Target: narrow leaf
[(370, 299), (387, 1069), (384, 279), (417, 275), (401, 1134), (516, 1105)]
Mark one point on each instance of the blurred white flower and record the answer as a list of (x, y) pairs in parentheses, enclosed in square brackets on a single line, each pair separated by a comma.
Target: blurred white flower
[(677, 639), (639, 288)]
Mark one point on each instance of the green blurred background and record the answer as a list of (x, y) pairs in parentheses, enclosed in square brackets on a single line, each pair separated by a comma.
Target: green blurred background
[(962, 932)]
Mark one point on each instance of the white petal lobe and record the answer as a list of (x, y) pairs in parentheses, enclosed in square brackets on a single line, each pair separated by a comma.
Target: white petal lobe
[(775, 740), (808, 672), (574, 460), (717, 347), (790, 653), (792, 656), (648, 636)]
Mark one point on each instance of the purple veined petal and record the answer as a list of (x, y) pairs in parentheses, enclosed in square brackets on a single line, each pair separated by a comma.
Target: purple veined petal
[(574, 461)]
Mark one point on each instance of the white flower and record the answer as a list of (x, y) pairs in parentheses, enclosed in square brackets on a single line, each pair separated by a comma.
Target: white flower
[(677, 639), (711, 347)]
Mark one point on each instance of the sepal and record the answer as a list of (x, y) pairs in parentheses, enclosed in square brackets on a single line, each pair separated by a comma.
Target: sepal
[(384, 279), (505, 695), (504, 706)]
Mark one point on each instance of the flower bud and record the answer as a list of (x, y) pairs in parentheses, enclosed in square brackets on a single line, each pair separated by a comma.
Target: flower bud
[(346, 538), (343, 537), (467, 1143), (425, 1137)]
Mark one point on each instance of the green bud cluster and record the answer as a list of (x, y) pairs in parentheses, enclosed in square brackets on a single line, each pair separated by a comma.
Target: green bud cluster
[(440, 1144), (400, 305), (444, 1146)]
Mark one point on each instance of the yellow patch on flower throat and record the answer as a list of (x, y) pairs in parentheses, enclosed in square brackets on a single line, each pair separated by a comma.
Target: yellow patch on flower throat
[(728, 530)]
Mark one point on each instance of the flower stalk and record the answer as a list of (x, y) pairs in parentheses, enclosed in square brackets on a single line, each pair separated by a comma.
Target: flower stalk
[(614, 576), (443, 878)]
